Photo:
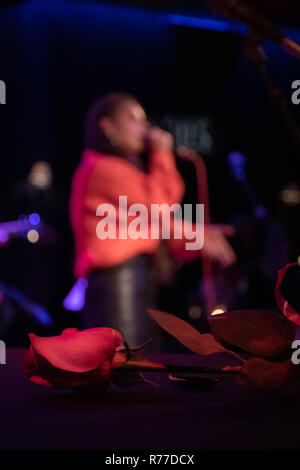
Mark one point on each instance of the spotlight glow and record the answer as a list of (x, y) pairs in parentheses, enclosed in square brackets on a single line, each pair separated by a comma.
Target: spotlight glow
[(34, 219), (195, 312), (33, 236), (3, 236), (290, 195), (218, 310)]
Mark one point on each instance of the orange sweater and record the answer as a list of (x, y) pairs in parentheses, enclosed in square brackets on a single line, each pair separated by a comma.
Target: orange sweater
[(102, 179)]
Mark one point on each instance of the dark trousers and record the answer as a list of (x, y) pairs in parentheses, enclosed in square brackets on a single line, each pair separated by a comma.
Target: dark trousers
[(118, 297)]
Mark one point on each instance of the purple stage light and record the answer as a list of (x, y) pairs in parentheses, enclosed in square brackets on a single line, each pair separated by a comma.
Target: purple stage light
[(75, 300), (260, 212), (3, 236), (34, 219)]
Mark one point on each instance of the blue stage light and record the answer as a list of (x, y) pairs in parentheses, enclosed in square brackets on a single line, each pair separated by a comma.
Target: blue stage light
[(34, 219), (207, 23)]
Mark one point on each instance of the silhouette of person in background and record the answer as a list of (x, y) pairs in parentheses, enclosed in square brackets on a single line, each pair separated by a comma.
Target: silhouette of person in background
[(120, 273)]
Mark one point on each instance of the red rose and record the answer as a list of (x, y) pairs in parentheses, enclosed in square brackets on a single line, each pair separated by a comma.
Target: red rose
[(81, 360), (285, 301)]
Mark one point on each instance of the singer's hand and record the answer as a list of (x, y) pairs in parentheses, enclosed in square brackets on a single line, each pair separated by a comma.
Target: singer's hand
[(158, 139), (216, 247)]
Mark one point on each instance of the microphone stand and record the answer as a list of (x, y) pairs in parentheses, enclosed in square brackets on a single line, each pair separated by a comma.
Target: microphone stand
[(208, 283)]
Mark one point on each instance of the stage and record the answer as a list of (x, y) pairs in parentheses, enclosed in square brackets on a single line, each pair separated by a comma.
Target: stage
[(167, 417)]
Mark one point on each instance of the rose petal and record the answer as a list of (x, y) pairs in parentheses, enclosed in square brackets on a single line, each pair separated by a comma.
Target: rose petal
[(69, 331), (118, 360), (77, 351), (29, 366), (56, 378), (40, 381)]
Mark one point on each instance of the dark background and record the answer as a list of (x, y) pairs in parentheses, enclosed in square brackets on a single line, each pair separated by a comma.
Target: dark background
[(58, 56)]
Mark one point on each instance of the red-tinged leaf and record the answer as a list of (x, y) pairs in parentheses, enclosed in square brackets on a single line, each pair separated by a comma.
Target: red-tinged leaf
[(204, 344), (261, 374), (259, 332)]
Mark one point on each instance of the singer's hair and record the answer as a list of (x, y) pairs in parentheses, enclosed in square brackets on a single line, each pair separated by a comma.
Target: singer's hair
[(106, 106)]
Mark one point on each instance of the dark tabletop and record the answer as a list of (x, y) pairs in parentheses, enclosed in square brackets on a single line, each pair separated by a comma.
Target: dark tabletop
[(146, 417)]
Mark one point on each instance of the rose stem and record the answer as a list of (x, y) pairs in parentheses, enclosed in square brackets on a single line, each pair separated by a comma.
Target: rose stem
[(179, 368)]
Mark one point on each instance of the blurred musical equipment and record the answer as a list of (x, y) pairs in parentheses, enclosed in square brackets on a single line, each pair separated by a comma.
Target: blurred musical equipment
[(253, 50), (223, 289), (14, 305), (237, 165), (35, 312), (258, 22), (19, 316), (25, 226)]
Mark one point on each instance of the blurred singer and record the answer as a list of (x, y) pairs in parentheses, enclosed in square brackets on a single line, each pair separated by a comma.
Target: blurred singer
[(121, 281)]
